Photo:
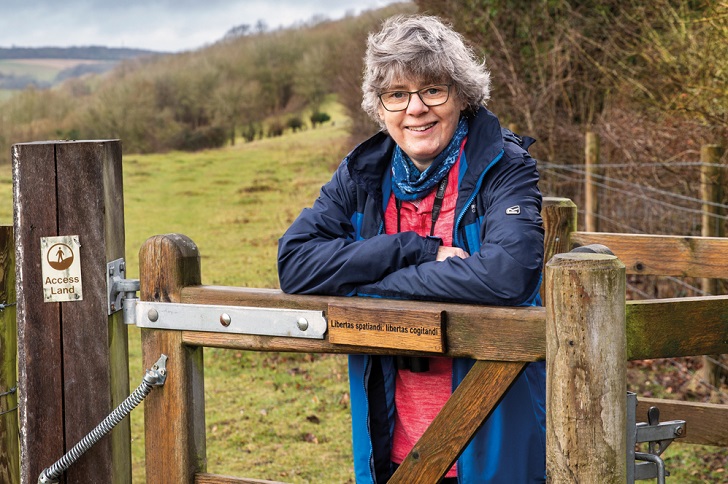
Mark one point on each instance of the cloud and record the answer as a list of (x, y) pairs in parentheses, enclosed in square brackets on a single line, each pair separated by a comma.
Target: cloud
[(165, 25)]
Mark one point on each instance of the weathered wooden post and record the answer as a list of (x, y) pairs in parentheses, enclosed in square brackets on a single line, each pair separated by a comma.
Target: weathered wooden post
[(591, 199), (9, 445), (559, 221), (174, 416), (73, 358), (585, 369), (713, 225)]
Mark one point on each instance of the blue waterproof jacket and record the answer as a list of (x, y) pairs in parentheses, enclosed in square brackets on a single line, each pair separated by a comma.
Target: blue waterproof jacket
[(338, 247)]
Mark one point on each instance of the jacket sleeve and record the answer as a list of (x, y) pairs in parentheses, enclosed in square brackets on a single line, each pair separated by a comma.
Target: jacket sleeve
[(318, 253), (507, 268)]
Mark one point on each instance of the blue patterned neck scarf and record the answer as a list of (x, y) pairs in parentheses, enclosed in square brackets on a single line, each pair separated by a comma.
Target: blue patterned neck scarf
[(409, 184)]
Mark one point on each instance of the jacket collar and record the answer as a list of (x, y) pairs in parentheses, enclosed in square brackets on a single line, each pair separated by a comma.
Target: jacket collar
[(369, 160)]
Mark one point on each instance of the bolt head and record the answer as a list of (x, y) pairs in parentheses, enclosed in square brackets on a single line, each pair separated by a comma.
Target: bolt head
[(302, 324), (225, 319)]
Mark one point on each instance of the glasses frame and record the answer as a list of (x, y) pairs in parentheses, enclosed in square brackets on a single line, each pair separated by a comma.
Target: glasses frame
[(418, 92)]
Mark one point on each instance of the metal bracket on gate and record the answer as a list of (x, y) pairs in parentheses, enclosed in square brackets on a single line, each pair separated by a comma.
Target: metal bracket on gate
[(118, 287), (659, 435), (292, 323)]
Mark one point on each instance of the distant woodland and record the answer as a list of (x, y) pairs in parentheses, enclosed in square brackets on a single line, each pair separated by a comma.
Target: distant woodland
[(650, 76), (94, 52)]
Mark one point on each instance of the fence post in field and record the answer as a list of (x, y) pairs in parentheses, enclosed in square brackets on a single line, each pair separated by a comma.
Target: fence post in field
[(591, 200), (10, 454), (174, 414), (72, 356), (586, 388), (712, 178)]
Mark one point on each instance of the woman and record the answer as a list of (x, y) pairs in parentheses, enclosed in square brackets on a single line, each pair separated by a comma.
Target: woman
[(443, 205)]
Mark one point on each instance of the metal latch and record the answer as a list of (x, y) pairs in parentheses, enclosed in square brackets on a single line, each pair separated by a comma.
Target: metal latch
[(659, 436)]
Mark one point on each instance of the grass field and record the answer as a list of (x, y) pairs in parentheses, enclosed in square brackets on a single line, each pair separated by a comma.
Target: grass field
[(269, 416), (281, 417)]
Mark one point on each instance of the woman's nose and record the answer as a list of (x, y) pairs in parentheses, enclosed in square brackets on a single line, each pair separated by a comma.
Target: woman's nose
[(416, 106)]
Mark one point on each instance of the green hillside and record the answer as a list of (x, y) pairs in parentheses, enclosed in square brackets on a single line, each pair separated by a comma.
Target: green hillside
[(43, 67)]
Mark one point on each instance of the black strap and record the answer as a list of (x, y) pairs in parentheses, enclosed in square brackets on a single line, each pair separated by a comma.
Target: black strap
[(436, 206)]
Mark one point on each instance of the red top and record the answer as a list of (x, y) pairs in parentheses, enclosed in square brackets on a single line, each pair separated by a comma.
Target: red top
[(418, 397)]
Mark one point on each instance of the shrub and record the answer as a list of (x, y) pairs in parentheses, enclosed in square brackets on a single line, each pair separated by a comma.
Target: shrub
[(319, 118)]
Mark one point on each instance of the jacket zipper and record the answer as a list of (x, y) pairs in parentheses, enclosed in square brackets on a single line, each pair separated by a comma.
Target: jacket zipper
[(456, 230)]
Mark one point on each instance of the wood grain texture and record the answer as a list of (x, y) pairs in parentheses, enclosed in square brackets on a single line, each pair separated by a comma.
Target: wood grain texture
[(667, 328), (10, 454), (585, 363), (453, 428), (416, 330), (40, 373), (174, 414), (559, 222), (513, 334), (706, 423), (90, 205), (663, 255)]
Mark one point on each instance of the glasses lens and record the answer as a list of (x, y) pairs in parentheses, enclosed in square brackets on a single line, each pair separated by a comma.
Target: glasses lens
[(434, 95), (395, 100)]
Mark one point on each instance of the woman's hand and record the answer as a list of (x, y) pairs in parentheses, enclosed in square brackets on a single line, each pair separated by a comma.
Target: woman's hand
[(445, 252)]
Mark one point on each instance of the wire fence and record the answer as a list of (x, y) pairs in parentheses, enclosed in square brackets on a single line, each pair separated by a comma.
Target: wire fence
[(661, 198)]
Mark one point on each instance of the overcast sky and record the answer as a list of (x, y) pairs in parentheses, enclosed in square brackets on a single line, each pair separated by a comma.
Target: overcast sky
[(163, 25)]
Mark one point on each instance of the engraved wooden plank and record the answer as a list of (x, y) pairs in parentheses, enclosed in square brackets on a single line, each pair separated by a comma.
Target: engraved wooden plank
[(174, 414), (454, 427), (706, 422), (40, 375), (380, 327), (10, 455), (514, 334), (664, 255), (667, 328)]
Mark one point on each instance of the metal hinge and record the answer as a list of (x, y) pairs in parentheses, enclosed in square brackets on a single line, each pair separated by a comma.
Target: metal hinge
[(293, 323)]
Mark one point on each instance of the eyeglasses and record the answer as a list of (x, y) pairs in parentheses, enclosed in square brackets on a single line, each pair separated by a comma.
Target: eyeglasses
[(430, 96)]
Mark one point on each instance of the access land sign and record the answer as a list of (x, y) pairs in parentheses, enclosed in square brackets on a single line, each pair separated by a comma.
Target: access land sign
[(60, 259)]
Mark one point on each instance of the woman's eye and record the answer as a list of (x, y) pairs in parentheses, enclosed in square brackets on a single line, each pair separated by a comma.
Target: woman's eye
[(398, 95)]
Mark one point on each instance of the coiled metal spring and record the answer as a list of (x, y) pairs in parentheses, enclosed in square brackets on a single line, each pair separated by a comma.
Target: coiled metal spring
[(154, 377)]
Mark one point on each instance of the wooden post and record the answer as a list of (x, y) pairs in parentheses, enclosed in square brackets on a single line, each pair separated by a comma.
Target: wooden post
[(559, 221), (10, 453), (174, 414), (713, 225), (72, 366), (591, 201), (585, 369)]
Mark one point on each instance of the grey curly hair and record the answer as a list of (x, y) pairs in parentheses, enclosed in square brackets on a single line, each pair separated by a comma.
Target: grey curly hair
[(423, 48)]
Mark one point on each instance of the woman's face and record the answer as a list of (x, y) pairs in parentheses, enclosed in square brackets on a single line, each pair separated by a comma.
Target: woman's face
[(421, 131)]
